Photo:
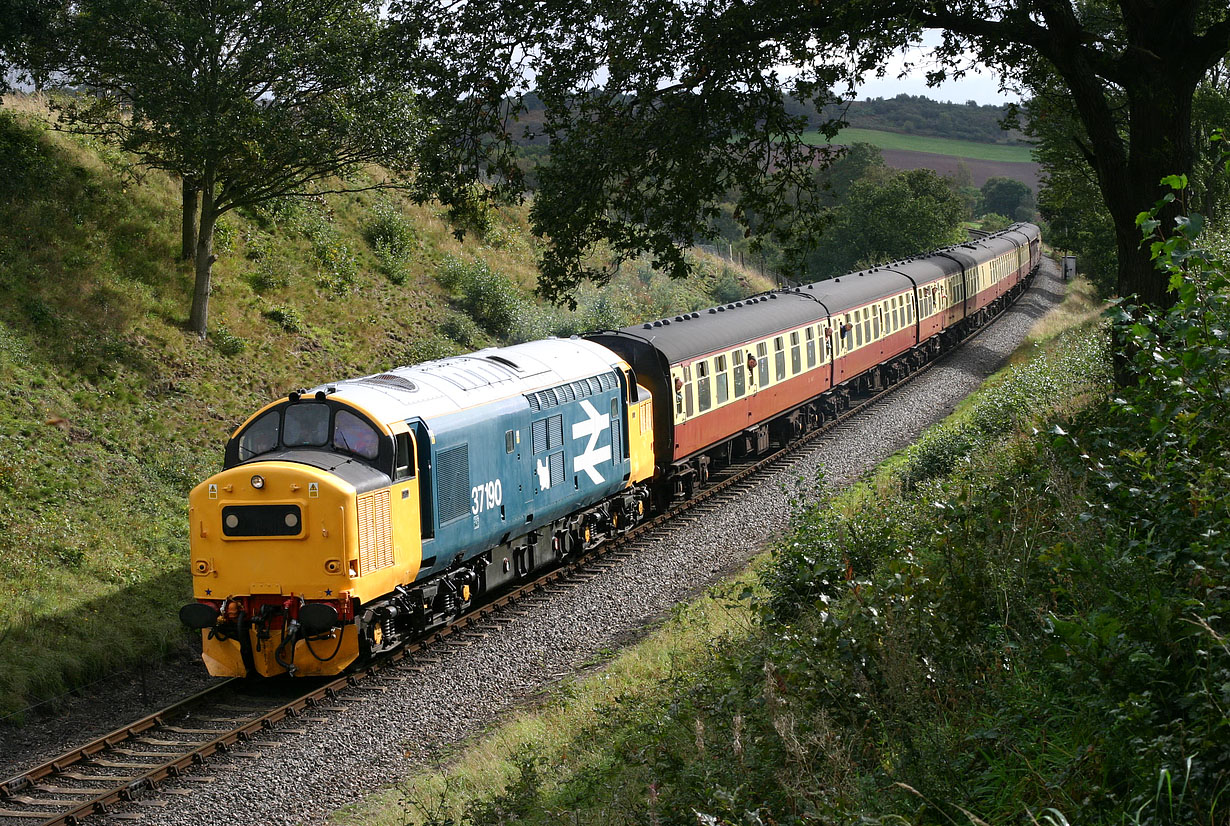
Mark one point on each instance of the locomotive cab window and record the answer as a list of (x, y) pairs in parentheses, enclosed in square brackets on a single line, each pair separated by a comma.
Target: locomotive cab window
[(306, 425), (404, 465), (353, 435), (261, 436)]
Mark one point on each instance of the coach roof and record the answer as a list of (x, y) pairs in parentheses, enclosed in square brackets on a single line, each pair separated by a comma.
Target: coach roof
[(690, 335)]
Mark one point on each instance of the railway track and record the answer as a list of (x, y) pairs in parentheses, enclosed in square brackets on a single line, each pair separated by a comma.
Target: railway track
[(136, 763)]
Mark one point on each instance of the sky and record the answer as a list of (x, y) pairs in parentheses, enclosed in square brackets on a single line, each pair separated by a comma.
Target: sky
[(982, 87)]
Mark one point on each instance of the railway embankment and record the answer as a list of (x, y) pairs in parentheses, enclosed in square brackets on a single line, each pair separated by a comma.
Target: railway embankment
[(1020, 617)]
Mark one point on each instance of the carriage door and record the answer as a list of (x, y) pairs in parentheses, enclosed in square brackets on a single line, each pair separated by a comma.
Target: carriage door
[(404, 503)]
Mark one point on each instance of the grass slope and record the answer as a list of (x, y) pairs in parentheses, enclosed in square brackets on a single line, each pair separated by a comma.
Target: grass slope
[(918, 143), (110, 411)]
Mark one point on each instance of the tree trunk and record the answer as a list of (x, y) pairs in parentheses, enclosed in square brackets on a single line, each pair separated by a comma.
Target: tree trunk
[(189, 222), (198, 322)]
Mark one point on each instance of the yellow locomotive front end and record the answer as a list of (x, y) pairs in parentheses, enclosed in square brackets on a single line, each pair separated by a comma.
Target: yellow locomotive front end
[(315, 514)]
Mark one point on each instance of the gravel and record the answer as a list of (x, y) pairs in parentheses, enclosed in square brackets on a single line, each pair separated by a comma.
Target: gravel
[(379, 737)]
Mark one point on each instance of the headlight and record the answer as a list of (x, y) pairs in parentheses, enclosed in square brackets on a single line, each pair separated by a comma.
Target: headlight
[(258, 481)]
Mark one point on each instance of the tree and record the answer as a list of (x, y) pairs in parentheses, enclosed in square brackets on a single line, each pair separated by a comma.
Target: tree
[(1068, 196), (888, 216), (246, 102), (28, 39), (1005, 195), (654, 107)]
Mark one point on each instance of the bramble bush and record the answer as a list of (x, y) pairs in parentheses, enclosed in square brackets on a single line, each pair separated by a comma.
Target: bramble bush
[(393, 240)]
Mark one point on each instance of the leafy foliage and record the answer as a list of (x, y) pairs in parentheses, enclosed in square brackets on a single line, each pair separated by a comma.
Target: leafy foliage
[(300, 91), (393, 240), (886, 217), (1008, 196), (655, 114)]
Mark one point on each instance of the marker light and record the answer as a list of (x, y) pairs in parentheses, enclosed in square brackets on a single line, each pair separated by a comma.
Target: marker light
[(258, 481)]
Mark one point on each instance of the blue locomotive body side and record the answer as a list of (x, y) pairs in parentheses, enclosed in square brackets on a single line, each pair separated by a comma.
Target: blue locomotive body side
[(507, 467)]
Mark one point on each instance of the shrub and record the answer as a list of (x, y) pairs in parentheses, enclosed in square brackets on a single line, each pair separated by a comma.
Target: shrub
[(462, 329), (270, 274), (389, 228), (429, 349), (339, 267), (226, 342), (392, 238), (285, 317), (727, 287), (492, 300)]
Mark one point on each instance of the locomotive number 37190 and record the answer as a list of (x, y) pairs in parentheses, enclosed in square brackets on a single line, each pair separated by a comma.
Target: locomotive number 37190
[(486, 496)]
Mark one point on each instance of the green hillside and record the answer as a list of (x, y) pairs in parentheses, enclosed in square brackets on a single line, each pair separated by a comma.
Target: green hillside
[(110, 410), (917, 143)]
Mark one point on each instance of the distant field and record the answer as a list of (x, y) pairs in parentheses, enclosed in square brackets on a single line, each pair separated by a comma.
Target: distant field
[(937, 146)]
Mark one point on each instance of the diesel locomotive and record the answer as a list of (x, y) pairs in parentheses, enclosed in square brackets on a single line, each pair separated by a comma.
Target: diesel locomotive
[(355, 515)]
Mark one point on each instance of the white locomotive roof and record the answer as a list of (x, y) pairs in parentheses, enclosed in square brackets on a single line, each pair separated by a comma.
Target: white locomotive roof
[(437, 388)]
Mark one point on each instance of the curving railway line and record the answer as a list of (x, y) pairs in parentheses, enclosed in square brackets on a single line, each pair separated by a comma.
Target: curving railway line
[(138, 762)]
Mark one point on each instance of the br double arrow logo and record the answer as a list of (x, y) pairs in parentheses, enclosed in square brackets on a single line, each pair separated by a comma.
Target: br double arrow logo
[(592, 427)]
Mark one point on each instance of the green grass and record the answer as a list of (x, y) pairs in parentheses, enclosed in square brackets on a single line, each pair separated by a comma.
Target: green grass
[(110, 411), (938, 146)]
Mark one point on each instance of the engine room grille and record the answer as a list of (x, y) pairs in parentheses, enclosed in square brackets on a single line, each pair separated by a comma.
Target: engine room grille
[(453, 483), (375, 532)]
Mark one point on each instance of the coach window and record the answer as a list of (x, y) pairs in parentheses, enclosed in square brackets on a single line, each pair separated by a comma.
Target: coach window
[(721, 380), (875, 323), (762, 362), (736, 361), (811, 347), (779, 357), (796, 353), (896, 313), (867, 325), (702, 386), (858, 328)]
